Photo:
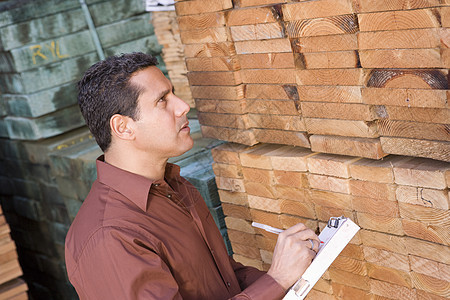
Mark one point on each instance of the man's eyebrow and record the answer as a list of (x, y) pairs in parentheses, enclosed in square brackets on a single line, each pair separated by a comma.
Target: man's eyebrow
[(162, 94)]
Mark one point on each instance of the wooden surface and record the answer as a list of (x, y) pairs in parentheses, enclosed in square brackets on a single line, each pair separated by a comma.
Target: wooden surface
[(366, 78)]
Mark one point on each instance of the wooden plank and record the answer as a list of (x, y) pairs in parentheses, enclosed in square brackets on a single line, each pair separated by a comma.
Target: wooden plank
[(247, 251), (429, 267), (343, 291), (198, 6), (427, 250), (224, 120), (401, 58), (196, 21), (222, 63), (335, 25), (228, 153), (375, 170), (348, 128), (421, 172), (265, 204), (298, 209), (257, 32), (230, 184), (404, 97), (293, 138), (265, 217), (370, 6), (289, 221), (290, 158), (264, 46), (292, 123), (258, 156), (233, 197), (391, 291), (349, 279), (214, 78), (249, 16), (445, 19), (414, 130), (374, 190), (424, 231), (342, 111), (415, 114), (353, 251), (239, 237), (9, 271), (331, 165), (419, 148), (272, 76), (329, 60), (218, 92), (429, 215), (431, 284), (331, 199), (327, 77), (247, 3), (221, 106), (327, 43), (205, 35), (263, 176), (386, 259), (226, 170), (267, 61), (399, 39), (350, 265), (383, 241), (209, 50), (271, 107), (398, 20), (316, 9), (330, 94), (259, 189), (289, 178), (422, 196), (408, 78), (324, 213), (297, 194), (328, 183), (390, 275), (239, 225), (386, 224), (375, 206), (275, 92)]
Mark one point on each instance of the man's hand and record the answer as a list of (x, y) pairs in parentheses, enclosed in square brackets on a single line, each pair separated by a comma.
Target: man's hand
[(293, 254)]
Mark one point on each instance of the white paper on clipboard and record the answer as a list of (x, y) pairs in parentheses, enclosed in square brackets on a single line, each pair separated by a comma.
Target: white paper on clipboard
[(335, 236)]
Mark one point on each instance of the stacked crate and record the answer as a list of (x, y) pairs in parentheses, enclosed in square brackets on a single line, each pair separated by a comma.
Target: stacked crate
[(11, 287), (400, 203), (362, 79), (45, 48), (333, 107)]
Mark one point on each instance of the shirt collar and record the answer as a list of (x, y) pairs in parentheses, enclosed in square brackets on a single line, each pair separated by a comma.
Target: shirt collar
[(133, 186)]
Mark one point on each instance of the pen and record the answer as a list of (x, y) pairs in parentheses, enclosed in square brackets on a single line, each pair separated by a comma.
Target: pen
[(269, 228)]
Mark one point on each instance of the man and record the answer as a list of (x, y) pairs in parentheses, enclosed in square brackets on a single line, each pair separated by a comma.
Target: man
[(143, 231)]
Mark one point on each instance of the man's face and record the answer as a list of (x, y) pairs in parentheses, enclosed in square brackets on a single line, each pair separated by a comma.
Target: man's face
[(162, 126)]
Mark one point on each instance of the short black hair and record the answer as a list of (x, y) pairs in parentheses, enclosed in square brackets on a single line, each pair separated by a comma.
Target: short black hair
[(105, 90)]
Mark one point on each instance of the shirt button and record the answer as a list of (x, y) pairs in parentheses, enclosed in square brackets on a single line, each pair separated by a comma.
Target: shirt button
[(169, 196), (156, 184), (228, 283)]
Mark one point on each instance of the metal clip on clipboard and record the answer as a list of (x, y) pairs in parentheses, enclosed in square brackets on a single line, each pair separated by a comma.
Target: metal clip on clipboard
[(335, 236)]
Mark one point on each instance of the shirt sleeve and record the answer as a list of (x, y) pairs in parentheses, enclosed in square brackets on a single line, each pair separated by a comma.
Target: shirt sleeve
[(256, 284), (113, 266)]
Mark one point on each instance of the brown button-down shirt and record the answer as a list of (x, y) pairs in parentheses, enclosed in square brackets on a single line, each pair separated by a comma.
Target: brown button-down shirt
[(137, 239)]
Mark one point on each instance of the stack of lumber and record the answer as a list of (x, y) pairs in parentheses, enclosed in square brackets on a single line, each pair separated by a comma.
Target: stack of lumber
[(400, 203), (351, 77), (11, 286), (168, 35)]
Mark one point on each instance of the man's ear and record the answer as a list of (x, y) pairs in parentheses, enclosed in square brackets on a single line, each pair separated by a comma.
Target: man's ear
[(122, 127)]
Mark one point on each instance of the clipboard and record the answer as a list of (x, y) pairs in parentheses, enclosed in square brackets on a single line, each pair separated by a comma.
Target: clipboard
[(335, 236)]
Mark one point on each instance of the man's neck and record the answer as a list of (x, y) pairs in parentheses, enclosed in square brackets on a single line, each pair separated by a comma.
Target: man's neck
[(149, 167)]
